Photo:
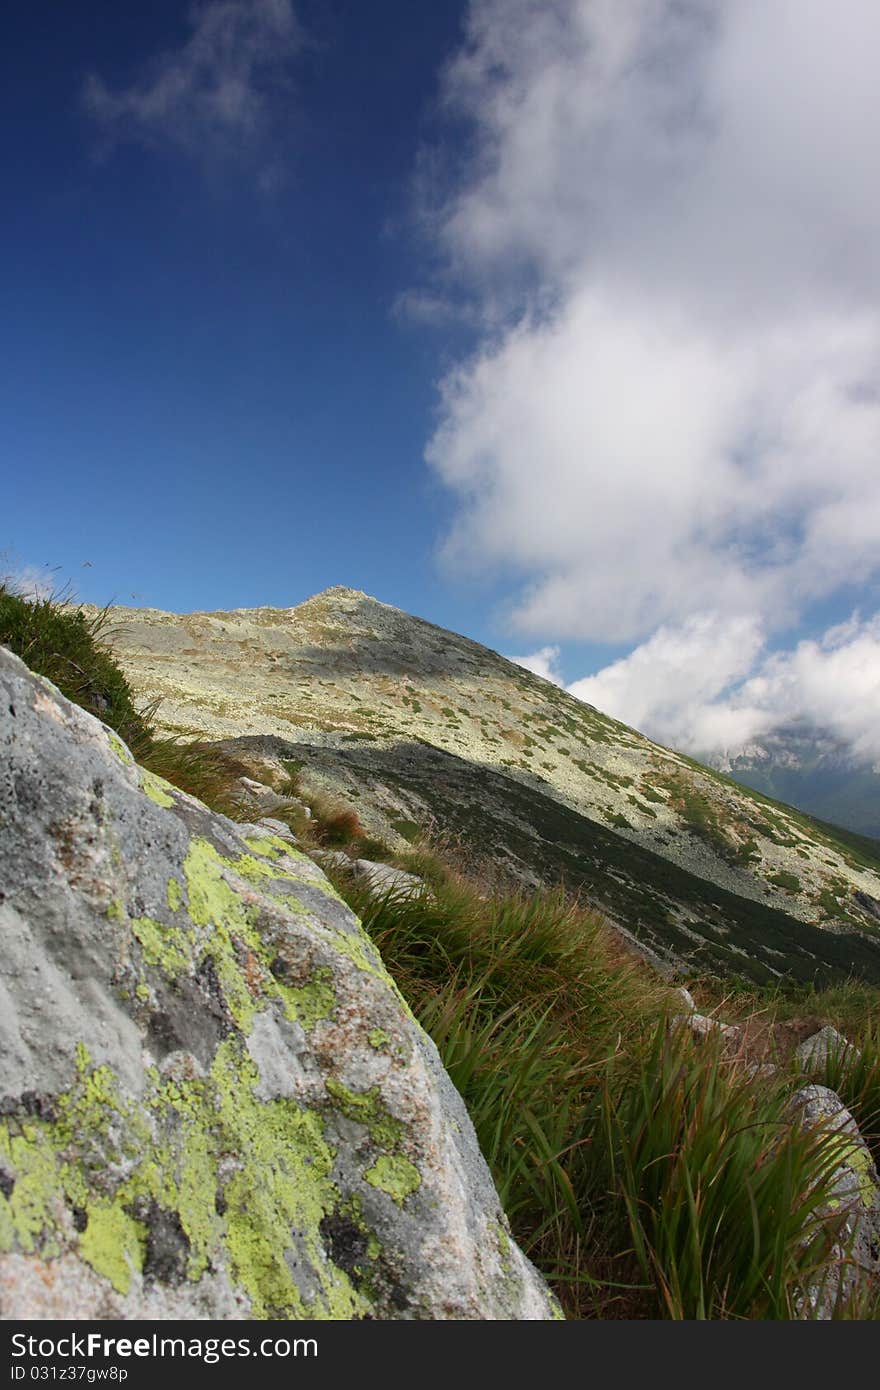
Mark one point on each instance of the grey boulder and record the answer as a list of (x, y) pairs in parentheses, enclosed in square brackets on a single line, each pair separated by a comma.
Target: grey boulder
[(814, 1052), (214, 1101)]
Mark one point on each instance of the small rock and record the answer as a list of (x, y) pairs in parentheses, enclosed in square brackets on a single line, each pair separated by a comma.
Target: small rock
[(257, 794), (382, 878), (870, 904), (251, 785), (702, 1026), (815, 1051), (279, 828), (763, 1071), (385, 878), (685, 998)]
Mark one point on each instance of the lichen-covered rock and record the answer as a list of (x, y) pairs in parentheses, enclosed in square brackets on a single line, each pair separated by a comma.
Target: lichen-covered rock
[(854, 1198), (213, 1100)]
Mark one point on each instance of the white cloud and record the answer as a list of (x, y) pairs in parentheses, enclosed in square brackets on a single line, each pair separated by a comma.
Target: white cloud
[(213, 97), (710, 685), (675, 408), (542, 663), (31, 581), (833, 682)]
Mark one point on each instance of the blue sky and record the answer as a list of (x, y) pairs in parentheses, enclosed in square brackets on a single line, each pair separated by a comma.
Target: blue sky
[(207, 393), (554, 321)]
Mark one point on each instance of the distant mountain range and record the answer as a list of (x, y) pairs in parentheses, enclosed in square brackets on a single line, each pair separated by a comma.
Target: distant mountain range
[(810, 769), (421, 730)]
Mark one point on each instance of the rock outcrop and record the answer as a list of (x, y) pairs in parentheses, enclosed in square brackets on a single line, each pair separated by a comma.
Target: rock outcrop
[(213, 1100)]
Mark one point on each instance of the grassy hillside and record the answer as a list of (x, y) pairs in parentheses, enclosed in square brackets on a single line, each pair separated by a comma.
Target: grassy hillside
[(528, 837)]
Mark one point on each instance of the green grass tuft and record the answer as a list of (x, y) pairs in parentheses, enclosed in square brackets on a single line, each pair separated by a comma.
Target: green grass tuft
[(647, 1176), (58, 641)]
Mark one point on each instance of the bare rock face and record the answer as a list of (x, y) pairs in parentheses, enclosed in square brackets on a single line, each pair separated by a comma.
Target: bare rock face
[(213, 1100)]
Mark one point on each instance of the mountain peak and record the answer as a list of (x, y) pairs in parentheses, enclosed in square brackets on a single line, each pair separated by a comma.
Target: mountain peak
[(337, 591)]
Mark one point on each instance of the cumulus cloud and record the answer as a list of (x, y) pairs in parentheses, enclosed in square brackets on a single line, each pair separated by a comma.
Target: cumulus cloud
[(677, 687), (544, 662), (669, 223), (710, 685), (215, 96), (832, 682)]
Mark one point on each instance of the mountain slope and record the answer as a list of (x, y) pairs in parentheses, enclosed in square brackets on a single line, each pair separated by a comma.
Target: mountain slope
[(810, 769), (360, 694)]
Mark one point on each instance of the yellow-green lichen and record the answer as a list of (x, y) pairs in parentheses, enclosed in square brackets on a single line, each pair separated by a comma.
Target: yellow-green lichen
[(264, 844), (378, 1038), (309, 1003), (248, 1182), (154, 787), (113, 1244), (284, 1186), (212, 901), (861, 1163), (856, 1156), (30, 1209), (215, 902), (165, 947), (395, 1175), (256, 870), (365, 1107), (234, 946), (292, 903), (119, 748)]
